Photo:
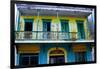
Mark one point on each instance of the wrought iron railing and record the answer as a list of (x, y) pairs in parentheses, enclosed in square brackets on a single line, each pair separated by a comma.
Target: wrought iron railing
[(53, 35)]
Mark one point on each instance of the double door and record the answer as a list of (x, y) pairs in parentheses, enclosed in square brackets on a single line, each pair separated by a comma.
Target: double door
[(57, 59), (46, 29)]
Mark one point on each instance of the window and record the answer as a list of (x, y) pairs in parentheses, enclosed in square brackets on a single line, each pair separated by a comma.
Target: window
[(80, 56), (28, 59)]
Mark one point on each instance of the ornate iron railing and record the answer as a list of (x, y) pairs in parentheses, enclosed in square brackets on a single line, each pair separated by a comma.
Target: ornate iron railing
[(53, 35)]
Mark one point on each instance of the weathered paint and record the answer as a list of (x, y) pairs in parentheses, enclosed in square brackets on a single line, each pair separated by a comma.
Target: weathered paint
[(55, 23), (15, 55), (89, 54), (17, 18), (54, 48), (17, 60), (69, 55)]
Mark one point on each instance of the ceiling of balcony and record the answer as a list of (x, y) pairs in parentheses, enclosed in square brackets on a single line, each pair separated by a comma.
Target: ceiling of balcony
[(52, 11)]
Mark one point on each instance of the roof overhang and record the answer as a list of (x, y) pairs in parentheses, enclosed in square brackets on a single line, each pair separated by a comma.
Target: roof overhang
[(48, 10)]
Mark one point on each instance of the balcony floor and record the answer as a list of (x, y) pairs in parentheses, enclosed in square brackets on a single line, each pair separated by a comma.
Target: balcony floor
[(52, 41)]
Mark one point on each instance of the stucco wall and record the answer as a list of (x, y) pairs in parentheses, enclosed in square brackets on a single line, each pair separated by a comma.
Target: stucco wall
[(55, 23), (70, 56)]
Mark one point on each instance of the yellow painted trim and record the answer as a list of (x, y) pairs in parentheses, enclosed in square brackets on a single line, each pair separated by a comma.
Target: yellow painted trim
[(54, 48), (55, 20)]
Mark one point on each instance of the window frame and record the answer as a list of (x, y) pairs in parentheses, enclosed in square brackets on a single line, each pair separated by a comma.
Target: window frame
[(29, 56)]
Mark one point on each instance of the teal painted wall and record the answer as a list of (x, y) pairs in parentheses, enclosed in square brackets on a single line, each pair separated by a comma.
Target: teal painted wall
[(55, 24), (17, 62), (89, 52), (70, 56)]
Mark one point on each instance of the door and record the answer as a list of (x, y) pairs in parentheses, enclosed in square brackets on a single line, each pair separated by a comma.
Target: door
[(46, 29), (80, 27), (28, 29), (65, 29), (57, 59), (28, 26)]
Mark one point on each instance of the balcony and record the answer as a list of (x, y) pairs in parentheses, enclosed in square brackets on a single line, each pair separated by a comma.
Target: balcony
[(53, 35)]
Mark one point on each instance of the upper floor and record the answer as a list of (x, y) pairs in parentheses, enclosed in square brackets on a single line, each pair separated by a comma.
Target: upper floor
[(49, 23)]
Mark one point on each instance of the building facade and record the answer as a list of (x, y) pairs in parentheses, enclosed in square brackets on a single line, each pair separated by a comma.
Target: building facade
[(46, 34)]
